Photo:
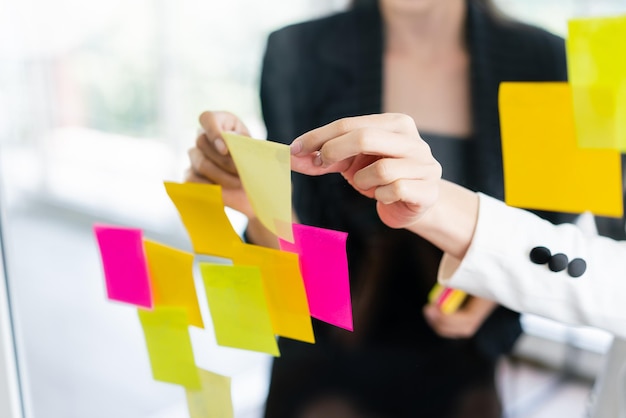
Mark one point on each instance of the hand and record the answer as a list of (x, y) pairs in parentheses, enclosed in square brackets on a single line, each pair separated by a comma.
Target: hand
[(464, 322), (212, 163), (381, 156)]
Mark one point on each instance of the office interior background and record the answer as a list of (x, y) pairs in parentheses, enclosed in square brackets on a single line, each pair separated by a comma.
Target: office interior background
[(98, 105)]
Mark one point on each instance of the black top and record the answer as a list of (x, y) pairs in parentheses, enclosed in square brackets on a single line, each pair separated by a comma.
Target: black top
[(454, 155), (323, 70)]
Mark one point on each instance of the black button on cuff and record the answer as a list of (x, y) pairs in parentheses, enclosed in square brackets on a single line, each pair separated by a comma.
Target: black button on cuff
[(576, 267), (558, 262), (540, 255)]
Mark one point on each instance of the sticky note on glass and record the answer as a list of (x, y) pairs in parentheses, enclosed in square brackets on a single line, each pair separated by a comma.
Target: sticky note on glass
[(169, 346), (265, 171), (171, 275), (213, 400), (124, 264), (324, 267), (238, 307), (201, 209), (284, 290), (449, 300), (543, 166), (597, 73)]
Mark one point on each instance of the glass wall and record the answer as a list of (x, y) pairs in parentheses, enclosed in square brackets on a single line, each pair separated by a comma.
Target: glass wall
[(98, 104)]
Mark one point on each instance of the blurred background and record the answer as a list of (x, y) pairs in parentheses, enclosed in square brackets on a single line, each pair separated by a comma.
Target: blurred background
[(98, 105)]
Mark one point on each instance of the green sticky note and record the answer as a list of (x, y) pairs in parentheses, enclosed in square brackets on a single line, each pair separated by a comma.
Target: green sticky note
[(214, 400), (238, 307), (169, 346), (265, 171)]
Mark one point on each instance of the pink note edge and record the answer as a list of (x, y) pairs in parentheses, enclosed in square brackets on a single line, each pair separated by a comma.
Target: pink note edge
[(324, 268), (444, 295), (124, 264)]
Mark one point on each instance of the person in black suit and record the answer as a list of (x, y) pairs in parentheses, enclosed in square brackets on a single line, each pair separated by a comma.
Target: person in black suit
[(440, 62)]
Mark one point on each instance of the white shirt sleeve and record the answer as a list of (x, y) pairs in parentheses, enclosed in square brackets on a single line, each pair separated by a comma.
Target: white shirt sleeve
[(497, 266)]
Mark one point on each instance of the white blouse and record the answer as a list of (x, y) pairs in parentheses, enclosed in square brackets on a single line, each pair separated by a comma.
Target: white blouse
[(497, 266)]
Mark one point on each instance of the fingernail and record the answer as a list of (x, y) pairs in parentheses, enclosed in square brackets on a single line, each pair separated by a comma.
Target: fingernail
[(220, 146), (317, 159), (295, 147)]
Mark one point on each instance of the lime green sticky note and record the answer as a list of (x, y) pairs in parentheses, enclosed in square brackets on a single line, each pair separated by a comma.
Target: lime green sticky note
[(238, 307), (284, 287), (597, 73), (171, 277), (543, 166), (214, 400), (265, 171), (169, 346), (201, 209)]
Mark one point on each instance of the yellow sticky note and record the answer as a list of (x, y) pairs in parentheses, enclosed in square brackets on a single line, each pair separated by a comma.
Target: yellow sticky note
[(284, 289), (597, 73), (201, 209), (265, 171), (238, 307), (453, 301), (169, 346), (543, 166), (435, 293), (171, 277), (214, 400), (448, 299)]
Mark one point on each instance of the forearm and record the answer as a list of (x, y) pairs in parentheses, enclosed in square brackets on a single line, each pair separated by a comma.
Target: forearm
[(450, 223), (497, 266)]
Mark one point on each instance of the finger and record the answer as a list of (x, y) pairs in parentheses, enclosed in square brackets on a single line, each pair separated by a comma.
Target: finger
[(204, 167), (479, 306), (220, 158), (432, 313), (417, 193), (306, 165), (209, 142), (390, 122), (214, 123), (373, 141), (335, 155), (388, 170), (191, 177), (451, 327)]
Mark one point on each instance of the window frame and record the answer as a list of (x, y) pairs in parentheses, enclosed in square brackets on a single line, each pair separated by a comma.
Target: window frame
[(11, 404)]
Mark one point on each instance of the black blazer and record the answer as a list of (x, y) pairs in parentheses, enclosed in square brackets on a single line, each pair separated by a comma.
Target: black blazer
[(322, 70)]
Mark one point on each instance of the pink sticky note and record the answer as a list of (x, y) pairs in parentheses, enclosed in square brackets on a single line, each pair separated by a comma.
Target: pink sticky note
[(324, 268), (124, 264)]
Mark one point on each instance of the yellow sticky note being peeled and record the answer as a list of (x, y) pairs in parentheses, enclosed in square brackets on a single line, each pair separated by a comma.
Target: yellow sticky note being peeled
[(213, 400), (201, 209), (597, 73), (543, 166), (265, 171), (171, 276)]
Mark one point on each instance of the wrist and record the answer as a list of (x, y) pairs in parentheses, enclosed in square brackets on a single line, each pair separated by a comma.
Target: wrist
[(450, 222), (257, 233)]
